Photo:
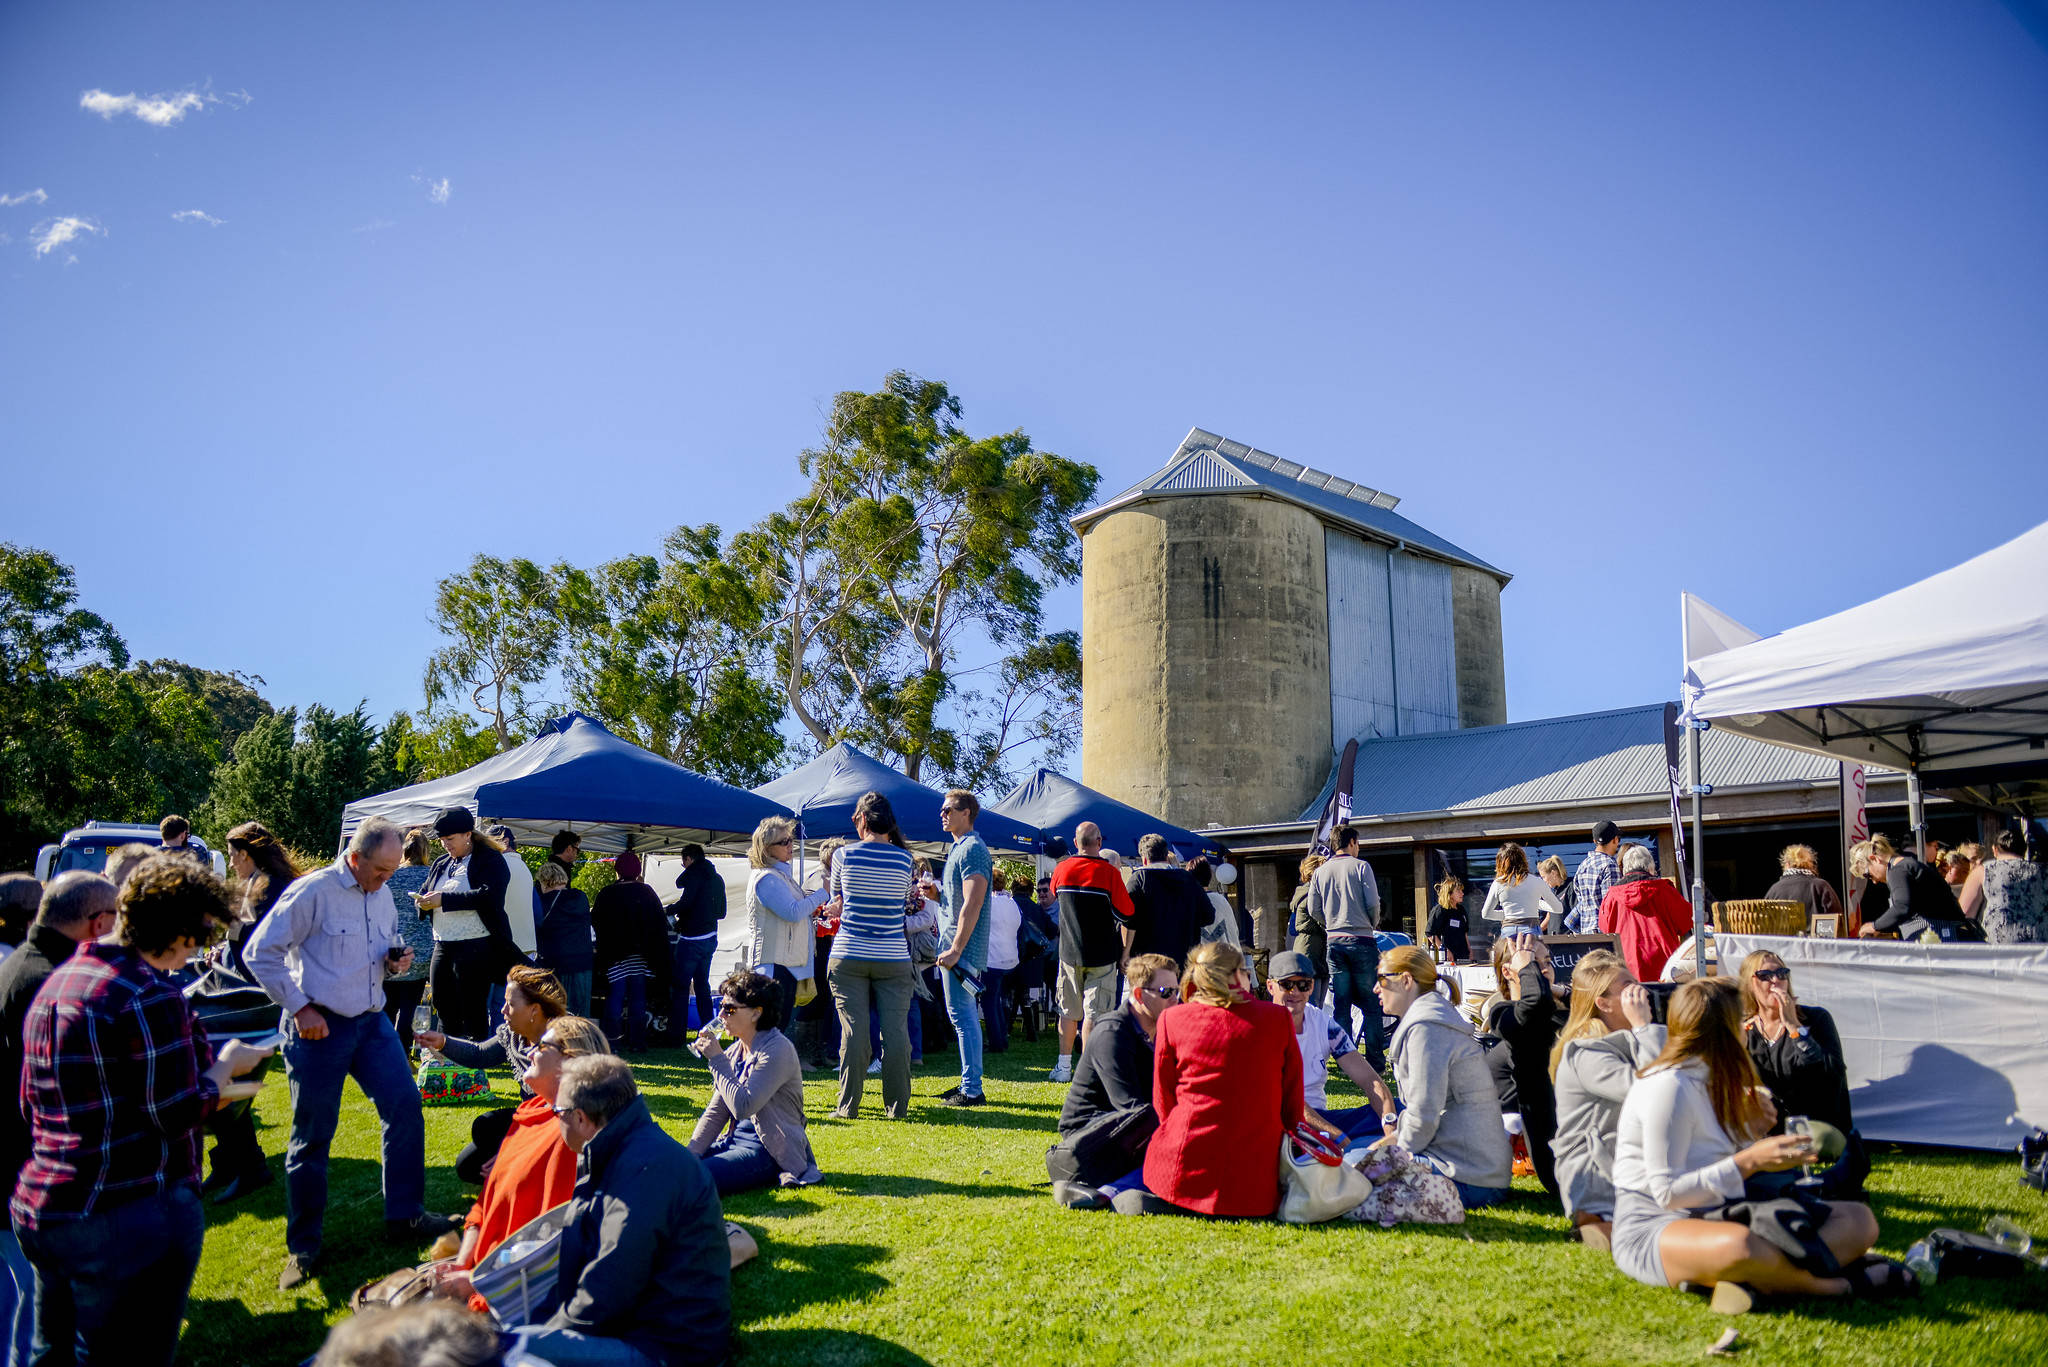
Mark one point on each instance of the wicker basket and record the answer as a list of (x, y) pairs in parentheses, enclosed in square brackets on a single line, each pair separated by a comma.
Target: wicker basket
[(1760, 916)]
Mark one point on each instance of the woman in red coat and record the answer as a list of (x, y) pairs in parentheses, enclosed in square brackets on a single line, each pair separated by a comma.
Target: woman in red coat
[(1650, 915), (1226, 1083)]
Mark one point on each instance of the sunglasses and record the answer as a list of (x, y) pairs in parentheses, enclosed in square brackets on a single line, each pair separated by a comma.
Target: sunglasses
[(564, 1112), (1385, 978), (1773, 975), (729, 1006), (787, 840), (1163, 993), (1297, 984)]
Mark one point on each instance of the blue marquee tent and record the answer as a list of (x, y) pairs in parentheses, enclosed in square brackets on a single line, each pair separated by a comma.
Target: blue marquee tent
[(1054, 804), (822, 794), (576, 775)]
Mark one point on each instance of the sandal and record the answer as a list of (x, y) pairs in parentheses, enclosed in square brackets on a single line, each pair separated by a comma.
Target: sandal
[(1877, 1278)]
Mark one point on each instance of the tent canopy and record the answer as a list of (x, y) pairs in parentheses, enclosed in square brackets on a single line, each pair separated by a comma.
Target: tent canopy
[(1054, 804), (1948, 676), (575, 775), (823, 792)]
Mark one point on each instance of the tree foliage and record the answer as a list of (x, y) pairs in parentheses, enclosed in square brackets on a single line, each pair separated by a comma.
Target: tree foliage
[(231, 700), (915, 544), (81, 735), (666, 654), (295, 774), (503, 620)]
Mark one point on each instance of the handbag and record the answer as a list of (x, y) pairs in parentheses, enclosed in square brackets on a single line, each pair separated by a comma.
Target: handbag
[(1405, 1190), (806, 991), (1104, 1149), (1316, 1184), (518, 1277)]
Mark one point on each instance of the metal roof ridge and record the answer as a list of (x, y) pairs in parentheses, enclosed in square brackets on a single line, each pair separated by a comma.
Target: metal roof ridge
[(1500, 726)]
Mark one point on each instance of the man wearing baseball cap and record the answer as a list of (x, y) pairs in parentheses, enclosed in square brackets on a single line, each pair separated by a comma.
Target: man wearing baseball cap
[(1293, 983), (1597, 872)]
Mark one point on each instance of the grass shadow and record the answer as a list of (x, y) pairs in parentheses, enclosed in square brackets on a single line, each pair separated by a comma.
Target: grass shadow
[(789, 1276), (225, 1329), (824, 1348), (888, 1185)]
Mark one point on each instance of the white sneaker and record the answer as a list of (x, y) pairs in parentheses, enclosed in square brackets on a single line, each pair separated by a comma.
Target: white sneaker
[(1064, 1072), (875, 1068)]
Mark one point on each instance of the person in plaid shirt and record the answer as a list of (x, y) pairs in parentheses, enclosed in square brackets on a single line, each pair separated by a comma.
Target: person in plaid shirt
[(1597, 872), (117, 1081)]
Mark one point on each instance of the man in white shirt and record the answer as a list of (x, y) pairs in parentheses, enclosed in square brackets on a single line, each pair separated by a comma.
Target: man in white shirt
[(323, 952), (1321, 1039)]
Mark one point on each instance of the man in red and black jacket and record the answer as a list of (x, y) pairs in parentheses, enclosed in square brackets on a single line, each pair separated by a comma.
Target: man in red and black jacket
[(1092, 902)]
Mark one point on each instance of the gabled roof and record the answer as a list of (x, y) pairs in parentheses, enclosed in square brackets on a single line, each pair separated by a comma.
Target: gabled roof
[(1586, 757), (1209, 464)]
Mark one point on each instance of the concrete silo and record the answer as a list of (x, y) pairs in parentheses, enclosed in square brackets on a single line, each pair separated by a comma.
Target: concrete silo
[(1243, 615)]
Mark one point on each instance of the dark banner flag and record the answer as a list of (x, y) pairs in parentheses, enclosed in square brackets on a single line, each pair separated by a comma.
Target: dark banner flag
[(1337, 811), (1674, 766)]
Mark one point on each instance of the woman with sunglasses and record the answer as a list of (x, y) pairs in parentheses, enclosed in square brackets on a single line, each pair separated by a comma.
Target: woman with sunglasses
[(1798, 1054), (534, 1170), (1451, 1109), (783, 945), (752, 1134)]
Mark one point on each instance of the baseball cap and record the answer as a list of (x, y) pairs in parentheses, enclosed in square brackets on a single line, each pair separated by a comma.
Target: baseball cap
[(1604, 831), (1289, 963)]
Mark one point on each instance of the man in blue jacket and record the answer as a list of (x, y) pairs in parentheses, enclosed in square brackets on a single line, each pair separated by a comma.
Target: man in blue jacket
[(646, 1277)]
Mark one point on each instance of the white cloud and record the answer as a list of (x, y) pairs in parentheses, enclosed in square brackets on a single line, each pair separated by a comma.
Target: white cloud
[(35, 196), (54, 233), (375, 225), (161, 110), (437, 190), (197, 216)]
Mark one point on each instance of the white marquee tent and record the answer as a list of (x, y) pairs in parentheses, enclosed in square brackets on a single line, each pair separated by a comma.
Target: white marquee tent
[(1946, 679)]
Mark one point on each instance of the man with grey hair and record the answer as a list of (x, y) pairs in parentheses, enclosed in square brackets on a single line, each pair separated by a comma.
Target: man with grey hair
[(1649, 915), (323, 953), (645, 1278), (76, 907)]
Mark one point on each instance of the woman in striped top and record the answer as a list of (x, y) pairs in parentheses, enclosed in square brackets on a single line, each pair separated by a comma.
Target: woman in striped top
[(871, 959)]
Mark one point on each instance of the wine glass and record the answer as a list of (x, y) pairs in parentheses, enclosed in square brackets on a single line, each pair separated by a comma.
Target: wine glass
[(1809, 1174)]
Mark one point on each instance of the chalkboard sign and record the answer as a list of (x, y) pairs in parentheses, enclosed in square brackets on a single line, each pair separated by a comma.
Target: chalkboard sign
[(1567, 950)]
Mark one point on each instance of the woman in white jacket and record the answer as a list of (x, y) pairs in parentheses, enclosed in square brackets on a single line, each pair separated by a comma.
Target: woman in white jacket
[(783, 938), (1520, 903), (1685, 1146)]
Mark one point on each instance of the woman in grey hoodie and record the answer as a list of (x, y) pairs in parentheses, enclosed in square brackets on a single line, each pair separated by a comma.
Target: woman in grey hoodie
[(1450, 1115), (1607, 1037)]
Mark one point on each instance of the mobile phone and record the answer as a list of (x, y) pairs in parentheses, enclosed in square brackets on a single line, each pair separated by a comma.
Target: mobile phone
[(1660, 999)]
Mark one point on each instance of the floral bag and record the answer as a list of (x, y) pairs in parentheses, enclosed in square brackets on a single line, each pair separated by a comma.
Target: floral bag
[(1405, 1190)]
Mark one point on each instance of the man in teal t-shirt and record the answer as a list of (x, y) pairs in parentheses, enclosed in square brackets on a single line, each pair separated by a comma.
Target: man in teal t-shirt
[(968, 867)]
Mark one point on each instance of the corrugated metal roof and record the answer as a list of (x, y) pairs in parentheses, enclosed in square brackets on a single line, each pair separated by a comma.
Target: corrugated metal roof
[(1588, 757), (1207, 463), (1204, 470)]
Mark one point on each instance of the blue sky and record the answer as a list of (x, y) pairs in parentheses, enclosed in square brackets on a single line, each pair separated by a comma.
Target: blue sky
[(1745, 299)]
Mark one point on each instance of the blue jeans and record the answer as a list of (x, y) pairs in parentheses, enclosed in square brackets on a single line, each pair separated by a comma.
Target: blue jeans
[(576, 986), (17, 1299), (365, 1048), (693, 973), (963, 1008), (1354, 968), (625, 1008), (740, 1162), (111, 1287), (995, 1007), (1357, 1122), (569, 1348)]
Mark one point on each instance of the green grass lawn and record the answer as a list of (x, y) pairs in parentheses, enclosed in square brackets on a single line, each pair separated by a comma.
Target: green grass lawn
[(934, 1241)]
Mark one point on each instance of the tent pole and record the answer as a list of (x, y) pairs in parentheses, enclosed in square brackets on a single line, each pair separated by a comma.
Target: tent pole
[(1693, 727), (1916, 811)]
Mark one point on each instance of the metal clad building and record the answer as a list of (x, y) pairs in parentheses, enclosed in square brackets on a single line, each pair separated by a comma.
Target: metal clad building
[(1244, 613)]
